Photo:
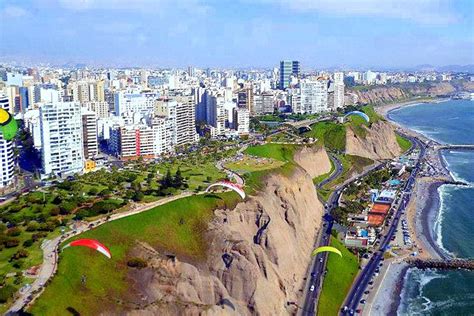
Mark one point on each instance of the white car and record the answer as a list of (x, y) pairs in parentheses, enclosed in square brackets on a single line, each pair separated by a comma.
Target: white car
[(311, 288)]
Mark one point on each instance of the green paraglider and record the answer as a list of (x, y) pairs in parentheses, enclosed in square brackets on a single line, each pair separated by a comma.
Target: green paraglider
[(326, 249), (8, 125)]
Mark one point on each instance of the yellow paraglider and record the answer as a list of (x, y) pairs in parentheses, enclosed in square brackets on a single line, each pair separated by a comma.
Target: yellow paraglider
[(326, 248)]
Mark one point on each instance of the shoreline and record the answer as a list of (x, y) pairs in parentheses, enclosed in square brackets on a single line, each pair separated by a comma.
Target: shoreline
[(421, 213)]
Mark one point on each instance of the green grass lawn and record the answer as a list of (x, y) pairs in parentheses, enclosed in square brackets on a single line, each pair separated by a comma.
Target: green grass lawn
[(338, 280), (404, 143), (371, 113), (331, 135), (251, 164), (177, 227), (283, 153)]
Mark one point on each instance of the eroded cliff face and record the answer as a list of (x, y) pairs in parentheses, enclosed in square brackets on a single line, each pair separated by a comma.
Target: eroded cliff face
[(314, 160), (379, 142), (387, 94), (258, 253)]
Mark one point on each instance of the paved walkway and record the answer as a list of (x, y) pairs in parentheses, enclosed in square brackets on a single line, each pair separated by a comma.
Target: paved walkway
[(51, 247)]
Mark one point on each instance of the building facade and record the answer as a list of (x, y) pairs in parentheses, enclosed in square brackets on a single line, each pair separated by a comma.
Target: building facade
[(288, 68), (62, 149), (7, 161)]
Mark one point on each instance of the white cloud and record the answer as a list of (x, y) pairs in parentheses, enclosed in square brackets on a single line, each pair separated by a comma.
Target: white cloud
[(13, 12), (421, 11)]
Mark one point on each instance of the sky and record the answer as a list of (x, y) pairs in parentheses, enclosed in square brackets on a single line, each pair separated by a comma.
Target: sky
[(239, 33)]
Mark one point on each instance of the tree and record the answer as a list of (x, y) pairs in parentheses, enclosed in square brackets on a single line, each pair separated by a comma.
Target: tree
[(167, 181), (178, 179)]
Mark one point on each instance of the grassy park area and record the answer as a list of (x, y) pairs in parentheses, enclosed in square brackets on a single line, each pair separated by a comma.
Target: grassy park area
[(330, 134), (404, 143), (337, 282), (178, 226), (252, 164)]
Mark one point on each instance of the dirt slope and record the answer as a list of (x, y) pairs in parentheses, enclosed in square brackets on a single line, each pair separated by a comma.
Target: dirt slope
[(258, 254), (379, 142)]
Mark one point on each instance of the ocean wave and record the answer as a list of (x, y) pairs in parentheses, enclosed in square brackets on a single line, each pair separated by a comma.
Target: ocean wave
[(416, 303), (443, 192)]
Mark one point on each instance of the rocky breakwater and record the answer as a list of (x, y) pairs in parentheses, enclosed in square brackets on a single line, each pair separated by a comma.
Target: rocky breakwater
[(378, 142), (258, 253)]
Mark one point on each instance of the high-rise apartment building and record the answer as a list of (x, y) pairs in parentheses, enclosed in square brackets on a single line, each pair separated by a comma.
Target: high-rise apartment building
[(62, 149), (338, 90), (263, 103), (185, 120), (7, 162), (245, 99), (101, 109), (314, 96), (89, 134), (288, 68), (131, 142), (241, 120), (134, 101)]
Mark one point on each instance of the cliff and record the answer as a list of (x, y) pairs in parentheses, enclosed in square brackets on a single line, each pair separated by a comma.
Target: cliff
[(379, 142), (257, 258), (400, 92)]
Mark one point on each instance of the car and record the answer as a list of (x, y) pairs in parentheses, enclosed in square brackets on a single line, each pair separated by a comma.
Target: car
[(367, 292), (362, 301), (321, 260), (371, 282), (311, 288)]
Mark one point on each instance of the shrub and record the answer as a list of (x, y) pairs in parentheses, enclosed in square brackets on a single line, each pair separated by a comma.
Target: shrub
[(14, 231), (6, 292), (136, 262), (28, 243), (21, 253), (12, 242)]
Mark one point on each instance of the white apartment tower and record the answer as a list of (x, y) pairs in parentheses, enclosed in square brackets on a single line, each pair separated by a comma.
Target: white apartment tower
[(62, 149), (314, 96), (338, 90), (185, 120), (7, 162)]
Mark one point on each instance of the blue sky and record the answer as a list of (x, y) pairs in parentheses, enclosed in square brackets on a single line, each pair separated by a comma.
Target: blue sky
[(239, 33)]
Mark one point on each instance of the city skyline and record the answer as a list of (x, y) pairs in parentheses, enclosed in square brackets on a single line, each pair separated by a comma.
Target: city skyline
[(346, 34)]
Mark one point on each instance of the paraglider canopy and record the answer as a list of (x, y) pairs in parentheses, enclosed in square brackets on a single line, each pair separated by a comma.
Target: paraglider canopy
[(230, 185), (8, 125), (91, 243), (359, 113), (326, 249)]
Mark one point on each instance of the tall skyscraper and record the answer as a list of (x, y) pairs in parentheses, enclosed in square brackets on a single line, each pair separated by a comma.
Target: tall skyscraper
[(89, 134), (338, 90), (7, 162), (314, 96), (288, 68), (62, 149)]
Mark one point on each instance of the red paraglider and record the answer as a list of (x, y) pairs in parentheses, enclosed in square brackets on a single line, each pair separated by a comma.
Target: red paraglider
[(91, 243)]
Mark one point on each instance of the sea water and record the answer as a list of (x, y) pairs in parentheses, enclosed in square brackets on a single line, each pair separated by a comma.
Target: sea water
[(432, 292)]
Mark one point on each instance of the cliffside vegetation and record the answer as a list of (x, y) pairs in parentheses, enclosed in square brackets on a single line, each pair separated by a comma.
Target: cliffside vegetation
[(404, 143)]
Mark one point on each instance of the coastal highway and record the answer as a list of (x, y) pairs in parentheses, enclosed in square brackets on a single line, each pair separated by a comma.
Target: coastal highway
[(360, 285), (315, 278)]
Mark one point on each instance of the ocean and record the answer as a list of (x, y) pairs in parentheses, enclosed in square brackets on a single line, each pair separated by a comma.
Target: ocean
[(432, 292)]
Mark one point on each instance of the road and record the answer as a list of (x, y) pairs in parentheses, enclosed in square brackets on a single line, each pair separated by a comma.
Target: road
[(354, 297), (318, 265), (318, 262)]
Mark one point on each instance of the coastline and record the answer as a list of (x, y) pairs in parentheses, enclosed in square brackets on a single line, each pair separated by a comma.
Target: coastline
[(421, 215)]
